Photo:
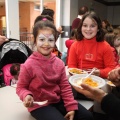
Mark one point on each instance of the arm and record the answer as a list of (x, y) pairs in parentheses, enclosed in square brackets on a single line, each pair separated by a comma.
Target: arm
[(92, 93), (109, 62), (2, 39), (109, 103), (23, 83), (114, 76)]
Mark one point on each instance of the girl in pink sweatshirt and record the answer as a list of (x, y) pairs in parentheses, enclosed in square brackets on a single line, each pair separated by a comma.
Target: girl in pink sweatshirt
[(42, 77)]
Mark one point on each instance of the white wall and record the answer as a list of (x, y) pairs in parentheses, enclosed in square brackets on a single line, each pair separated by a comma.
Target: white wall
[(69, 11), (12, 18)]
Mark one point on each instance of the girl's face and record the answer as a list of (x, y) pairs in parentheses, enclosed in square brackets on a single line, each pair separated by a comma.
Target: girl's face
[(45, 42), (89, 28)]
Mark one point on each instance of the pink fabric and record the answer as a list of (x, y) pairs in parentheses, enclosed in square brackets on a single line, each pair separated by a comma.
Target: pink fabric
[(6, 73), (45, 79)]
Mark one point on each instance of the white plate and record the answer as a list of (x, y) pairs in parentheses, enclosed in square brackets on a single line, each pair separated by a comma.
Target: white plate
[(74, 73), (73, 79)]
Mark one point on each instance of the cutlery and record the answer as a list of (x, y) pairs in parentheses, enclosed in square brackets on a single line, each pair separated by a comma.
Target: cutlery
[(40, 103), (88, 74)]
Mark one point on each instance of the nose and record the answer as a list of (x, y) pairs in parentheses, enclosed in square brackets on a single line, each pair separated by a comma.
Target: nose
[(88, 28), (46, 43)]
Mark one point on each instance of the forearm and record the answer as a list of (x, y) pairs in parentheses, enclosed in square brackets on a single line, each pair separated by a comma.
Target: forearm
[(111, 105)]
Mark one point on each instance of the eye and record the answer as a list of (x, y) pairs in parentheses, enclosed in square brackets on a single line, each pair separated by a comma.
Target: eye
[(51, 40), (93, 26), (84, 25), (41, 39)]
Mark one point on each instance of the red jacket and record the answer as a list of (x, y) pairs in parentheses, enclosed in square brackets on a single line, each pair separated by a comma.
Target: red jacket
[(45, 79), (87, 54)]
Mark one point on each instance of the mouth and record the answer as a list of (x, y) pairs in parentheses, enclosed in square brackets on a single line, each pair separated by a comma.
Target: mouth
[(46, 48), (87, 33)]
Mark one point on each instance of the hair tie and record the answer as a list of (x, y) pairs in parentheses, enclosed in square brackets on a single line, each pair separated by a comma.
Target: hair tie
[(44, 19)]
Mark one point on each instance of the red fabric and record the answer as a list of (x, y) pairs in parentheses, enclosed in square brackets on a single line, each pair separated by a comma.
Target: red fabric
[(87, 54), (45, 79), (116, 57), (76, 23), (68, 44), (7, 75)]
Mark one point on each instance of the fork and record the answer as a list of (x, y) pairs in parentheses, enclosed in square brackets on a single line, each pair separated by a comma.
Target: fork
[(88, 74)]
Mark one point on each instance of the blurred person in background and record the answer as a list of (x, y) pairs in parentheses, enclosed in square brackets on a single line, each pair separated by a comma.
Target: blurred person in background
[(110, 38), (106, 26), (2, 39), (81, 12)]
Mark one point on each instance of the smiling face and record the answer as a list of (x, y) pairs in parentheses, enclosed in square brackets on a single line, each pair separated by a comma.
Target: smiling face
[(45, 42), (89, 28)]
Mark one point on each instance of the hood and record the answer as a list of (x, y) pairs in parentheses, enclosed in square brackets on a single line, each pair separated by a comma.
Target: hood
[(39, 56)]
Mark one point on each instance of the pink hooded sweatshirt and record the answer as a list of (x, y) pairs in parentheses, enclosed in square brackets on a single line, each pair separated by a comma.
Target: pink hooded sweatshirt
[(45, 79)]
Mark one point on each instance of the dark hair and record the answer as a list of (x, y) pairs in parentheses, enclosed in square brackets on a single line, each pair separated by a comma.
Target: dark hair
[(44, 24), (83, 10), (14, 69), (73, 33), (42, 17), (49, 12), (110, 37), (108, 26), (106, 23), (100, 33)]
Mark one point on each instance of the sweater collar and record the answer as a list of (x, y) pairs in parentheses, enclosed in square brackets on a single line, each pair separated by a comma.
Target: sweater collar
[(90, 40), (40, 56)]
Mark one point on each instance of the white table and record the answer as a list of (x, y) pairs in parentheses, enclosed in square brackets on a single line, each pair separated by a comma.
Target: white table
[(11, 108)]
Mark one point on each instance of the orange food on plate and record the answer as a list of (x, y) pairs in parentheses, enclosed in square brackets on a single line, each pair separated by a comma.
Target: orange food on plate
[(90, 82), (76, 71)]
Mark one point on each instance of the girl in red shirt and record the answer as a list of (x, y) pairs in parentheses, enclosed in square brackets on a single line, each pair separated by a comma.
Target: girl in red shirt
[(90, 49)]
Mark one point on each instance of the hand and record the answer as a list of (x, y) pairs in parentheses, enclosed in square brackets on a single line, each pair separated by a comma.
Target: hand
[(90, 92), (59, 29), (96, 72), (28, 101), (2, 39), (114, 76), (69, 115)]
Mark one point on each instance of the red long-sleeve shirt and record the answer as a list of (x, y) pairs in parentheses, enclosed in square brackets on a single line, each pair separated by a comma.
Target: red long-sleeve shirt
[(45, 79), (87, 54), (68, 44)]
